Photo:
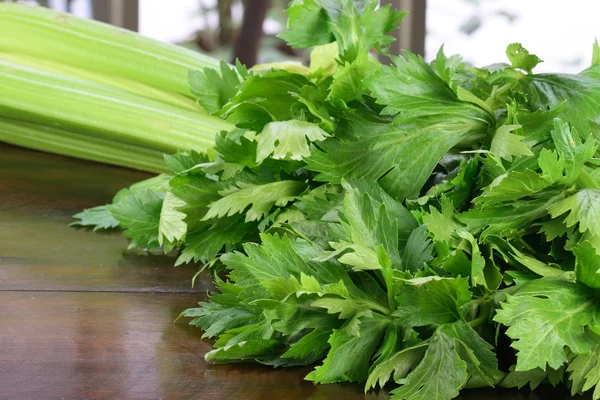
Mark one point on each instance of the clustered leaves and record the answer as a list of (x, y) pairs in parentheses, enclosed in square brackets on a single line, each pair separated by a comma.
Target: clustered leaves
[(399, 223)]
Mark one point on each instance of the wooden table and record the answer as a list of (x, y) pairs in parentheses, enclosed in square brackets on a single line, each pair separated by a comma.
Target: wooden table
[(83, 318)]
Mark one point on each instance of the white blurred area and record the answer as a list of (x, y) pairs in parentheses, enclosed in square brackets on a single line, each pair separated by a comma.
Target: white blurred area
[(559, 32), (177, 20)]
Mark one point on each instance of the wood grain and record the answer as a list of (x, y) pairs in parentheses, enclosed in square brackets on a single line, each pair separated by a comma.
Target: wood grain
[(83, 318), (124, 346)]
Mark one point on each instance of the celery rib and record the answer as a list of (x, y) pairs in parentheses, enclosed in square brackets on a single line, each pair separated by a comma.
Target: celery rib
[(90, 90), (130, 86), (44, 98), (94, 46), (73, 144)]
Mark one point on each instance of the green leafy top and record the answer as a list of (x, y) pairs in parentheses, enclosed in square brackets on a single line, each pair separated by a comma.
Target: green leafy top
[(356, 26), (391, 223)]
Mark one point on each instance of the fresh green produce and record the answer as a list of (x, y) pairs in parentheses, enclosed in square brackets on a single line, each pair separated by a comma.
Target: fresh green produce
[(403, 223), (96, 47), (100, 93), (112, 119), (60, 141), (133, 87), (111, 113)]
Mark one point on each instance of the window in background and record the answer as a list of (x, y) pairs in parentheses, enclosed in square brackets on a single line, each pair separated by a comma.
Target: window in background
[(561, 34)]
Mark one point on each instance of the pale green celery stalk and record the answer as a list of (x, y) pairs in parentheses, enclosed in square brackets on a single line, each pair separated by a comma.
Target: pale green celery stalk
[(94, 46), (78, 145), (98, 110), (134, 87)]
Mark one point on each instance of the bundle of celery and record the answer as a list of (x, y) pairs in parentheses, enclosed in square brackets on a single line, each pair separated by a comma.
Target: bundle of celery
[(402, 223), (89, 90)]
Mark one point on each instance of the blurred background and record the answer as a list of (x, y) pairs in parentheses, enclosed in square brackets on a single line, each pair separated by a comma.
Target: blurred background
[(560, 33)]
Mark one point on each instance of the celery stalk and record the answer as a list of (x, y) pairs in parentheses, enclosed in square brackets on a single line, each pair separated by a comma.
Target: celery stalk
[(74, 144), (134, 87), (94, 46), (112, 114)]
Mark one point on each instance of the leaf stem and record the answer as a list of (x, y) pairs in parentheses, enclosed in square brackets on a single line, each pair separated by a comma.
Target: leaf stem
[(587, 181), (377, 307), (482, 319)]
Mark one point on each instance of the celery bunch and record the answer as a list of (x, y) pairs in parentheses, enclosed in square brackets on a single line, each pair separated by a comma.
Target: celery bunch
[(89, 90)]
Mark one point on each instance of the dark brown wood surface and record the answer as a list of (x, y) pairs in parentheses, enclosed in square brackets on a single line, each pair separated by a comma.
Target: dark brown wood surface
[(83, 318)]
